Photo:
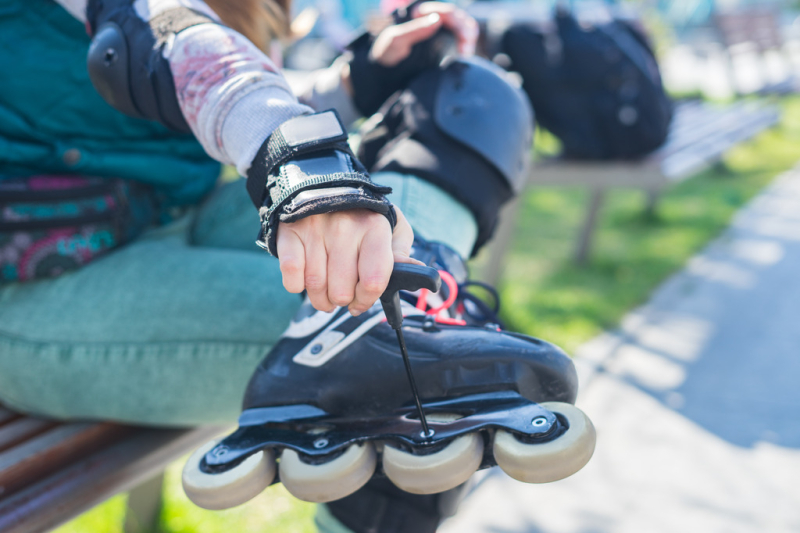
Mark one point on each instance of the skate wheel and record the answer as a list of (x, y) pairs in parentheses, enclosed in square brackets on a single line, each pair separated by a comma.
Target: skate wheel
[(331, 480), (548, 461), (435, 472), (229, 488)]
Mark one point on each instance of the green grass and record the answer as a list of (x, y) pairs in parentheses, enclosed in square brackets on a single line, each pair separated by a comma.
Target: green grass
[(105, 518), (273, 511), (544, 294)]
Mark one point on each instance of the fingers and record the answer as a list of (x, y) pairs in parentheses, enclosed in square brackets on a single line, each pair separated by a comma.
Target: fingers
[(375, 262), (467, 32), (456, 20), (342, 265), (402, 240), (316, 273), (291, 254), (417, 30), (394, 43), (343, 258)]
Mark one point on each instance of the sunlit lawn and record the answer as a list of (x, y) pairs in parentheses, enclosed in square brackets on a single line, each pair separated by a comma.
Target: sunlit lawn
[(274, 511), (544, 294)]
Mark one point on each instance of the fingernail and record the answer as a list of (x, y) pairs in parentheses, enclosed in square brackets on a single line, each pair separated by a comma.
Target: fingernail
[(432, 19), (354, 312)]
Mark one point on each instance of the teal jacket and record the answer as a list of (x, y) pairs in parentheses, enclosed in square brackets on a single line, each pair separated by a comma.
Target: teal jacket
[(52, 121)]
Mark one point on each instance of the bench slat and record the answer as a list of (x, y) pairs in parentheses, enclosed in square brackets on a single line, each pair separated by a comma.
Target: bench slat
[(687, 120), (692, 159), (566, 173), (30, 461), (692, 121), (671, 163), (7, 416), (22, 429), (711, 123), (87, 482)]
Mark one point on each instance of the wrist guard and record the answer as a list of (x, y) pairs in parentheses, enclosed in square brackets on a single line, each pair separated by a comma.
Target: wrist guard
[(307, 168), (374, 83)]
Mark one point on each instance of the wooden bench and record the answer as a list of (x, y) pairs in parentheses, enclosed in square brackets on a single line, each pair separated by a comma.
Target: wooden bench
[(50, 472), (699, 135)]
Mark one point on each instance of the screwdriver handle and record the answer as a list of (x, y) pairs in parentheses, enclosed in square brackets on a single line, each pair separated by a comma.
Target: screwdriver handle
[(406, 277)]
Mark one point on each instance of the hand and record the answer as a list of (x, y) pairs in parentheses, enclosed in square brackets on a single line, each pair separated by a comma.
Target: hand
[(394, 43), (343, 258), (379, 66)]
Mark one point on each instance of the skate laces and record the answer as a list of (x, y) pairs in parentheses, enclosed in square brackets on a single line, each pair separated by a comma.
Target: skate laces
[(458, 306)]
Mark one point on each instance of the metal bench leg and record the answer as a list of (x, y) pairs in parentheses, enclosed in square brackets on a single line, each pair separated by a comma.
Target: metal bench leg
[(144, 506), (587, 231), (730, 72), (652, 202), (501, 242)]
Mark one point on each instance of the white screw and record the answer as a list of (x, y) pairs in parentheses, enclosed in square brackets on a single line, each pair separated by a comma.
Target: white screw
[(539, 421)]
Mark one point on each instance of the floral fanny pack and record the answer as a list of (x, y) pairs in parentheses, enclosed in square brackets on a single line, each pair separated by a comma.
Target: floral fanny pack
[(53, 224)]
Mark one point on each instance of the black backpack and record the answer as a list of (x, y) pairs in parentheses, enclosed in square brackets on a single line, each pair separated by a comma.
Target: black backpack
[(595, 87)]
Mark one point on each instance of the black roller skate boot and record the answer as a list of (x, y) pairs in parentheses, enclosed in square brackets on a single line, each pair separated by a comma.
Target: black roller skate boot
[(332, 402)]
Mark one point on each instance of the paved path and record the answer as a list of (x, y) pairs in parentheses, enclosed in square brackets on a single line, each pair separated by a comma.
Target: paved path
[(696, 400)]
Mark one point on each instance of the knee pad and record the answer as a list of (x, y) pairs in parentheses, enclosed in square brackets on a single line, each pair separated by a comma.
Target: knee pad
[(466, 127), (380, 506), (126, 62)]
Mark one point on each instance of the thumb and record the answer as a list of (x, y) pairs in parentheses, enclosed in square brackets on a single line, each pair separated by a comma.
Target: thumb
[(417, 30), (402, 240)]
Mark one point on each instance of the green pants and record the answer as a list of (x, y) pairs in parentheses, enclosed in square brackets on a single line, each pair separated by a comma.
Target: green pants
[(168, 329)]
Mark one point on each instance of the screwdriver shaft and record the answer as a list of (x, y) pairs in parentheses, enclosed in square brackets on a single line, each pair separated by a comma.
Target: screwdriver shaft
[(404, 352)]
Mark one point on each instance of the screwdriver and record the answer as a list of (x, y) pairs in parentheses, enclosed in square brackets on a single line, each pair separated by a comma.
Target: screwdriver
[(408, 277)]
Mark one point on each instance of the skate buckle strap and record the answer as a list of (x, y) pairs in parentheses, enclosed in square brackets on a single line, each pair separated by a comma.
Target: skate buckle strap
[(439, 313), (459, 307)]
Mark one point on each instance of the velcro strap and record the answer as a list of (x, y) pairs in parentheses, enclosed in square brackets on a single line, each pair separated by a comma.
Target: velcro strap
[(299, 136), (173, 21), (281, 190), (313, 202)]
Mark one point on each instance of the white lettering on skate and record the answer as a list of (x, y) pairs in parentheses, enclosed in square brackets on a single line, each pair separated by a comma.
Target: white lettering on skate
[(326, 347), (327, 351), (318, 348), (310, 324)]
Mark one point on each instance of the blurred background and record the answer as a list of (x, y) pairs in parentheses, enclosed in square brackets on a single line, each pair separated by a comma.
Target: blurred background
[(731, 68)]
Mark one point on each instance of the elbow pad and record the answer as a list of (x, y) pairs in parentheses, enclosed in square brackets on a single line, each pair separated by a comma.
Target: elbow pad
[(307, 168), (465, 127), (126, 62)]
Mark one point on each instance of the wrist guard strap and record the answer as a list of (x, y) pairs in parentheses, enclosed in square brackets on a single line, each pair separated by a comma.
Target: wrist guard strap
[(307, 168)]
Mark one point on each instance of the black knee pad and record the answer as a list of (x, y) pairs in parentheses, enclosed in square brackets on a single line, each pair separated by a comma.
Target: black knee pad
[(465, 127)]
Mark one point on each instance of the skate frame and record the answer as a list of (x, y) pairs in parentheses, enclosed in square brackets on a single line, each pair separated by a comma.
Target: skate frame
[(327, 436)]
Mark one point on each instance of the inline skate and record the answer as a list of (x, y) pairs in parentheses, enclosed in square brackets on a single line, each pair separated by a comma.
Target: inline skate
[(331, 406)]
